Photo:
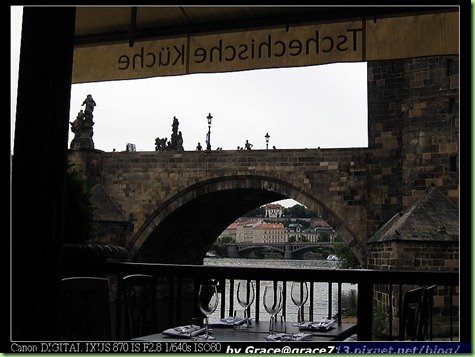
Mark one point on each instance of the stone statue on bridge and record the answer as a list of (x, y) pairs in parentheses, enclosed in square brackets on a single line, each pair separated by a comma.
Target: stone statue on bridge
[(161, 144), (176, 140), (76, 125), (175, 125), (90, 104), (82, 126)]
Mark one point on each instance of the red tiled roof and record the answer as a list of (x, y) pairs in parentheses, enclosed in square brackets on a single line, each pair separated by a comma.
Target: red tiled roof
[(234, 225), (274, 206), (270, 226)]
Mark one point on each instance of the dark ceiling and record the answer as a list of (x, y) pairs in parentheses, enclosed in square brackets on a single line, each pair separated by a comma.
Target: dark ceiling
[(117, 24)]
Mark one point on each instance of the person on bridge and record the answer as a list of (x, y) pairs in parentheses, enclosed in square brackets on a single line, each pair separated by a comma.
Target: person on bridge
[(199, 147), (179, 142), (248, 145)]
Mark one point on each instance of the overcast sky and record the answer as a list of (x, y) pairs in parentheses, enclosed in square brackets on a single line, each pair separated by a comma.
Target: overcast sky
[(306, 107)]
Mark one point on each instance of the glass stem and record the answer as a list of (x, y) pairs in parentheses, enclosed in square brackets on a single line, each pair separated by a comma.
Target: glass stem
[(271, 324), (206, 327), (246, 318)]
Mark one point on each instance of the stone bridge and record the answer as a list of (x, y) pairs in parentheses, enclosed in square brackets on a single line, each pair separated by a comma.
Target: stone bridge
[(177, 199), (289, 250), (175, 204)]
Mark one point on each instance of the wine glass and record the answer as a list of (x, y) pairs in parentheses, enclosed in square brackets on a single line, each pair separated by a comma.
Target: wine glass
[(207, 302), (245, 297), (299, 295), (273, 302)]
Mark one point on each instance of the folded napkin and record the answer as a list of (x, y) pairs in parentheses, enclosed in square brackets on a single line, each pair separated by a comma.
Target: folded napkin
[(187, 331), (289, 337), (324, 325), (228, 322)]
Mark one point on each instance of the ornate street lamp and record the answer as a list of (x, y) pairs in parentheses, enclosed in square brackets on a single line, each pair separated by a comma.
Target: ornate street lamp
[(267, 141), (208, 136)]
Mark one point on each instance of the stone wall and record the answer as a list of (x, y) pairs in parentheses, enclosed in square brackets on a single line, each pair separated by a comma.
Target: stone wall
[(441, 310), (413, 126), (413, 129), (329, 181), (113, 232), (431, 127), (424, 256)]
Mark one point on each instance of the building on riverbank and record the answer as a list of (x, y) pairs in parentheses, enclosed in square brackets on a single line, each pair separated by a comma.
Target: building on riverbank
[(274, 210), (269, 233)]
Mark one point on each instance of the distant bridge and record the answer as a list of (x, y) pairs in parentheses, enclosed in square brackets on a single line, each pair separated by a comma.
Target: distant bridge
[(289, 250)]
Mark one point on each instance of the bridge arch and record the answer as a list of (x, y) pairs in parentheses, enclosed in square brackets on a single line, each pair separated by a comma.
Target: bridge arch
[(182, 228)]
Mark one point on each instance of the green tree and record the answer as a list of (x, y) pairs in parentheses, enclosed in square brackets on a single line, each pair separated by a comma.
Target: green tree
[(347, 259), (226, 240), (298, 211), (324, 237), (79, 221), (219, 246), (256, 212), (286, 222), (304, 224), (380, 322)]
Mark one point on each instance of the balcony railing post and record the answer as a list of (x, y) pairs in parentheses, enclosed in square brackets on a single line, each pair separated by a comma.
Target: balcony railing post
[(222, 285), (390, 311), (178, 301), (365, 316), (339, 303), (171, 297), (330, 287), (231, 297), (118, 308), (258, 298), (310, 310)]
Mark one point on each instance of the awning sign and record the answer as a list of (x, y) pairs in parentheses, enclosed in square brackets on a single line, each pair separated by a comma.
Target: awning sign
[(401, 37)]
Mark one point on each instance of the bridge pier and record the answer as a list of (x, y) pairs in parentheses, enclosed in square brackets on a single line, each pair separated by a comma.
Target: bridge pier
[(232, 251), (287, 252)]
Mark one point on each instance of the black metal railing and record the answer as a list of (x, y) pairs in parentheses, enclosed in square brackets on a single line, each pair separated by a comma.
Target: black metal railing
[(177, 276)]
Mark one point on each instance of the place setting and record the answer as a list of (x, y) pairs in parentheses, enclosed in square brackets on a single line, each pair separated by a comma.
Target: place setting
[(227, 322), (273, 303), (186, 332), (322, 326), (245, 295), (207, 302), (299, 295)]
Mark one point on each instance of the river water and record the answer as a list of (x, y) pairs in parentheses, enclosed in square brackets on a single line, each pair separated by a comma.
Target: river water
[(320, 298)]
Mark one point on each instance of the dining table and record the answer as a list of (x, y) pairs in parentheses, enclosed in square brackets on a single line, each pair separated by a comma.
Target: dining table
[(257, 332)]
